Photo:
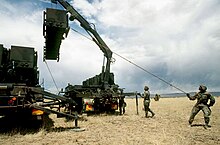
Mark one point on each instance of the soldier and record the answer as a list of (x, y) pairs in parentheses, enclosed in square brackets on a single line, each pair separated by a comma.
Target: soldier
[(202, 104), (146, 102), (122, 105)]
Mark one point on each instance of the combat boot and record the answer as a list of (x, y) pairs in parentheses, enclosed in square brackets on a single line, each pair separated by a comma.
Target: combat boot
[(190, 122), (206, 126), (146, 115), (153, 114)]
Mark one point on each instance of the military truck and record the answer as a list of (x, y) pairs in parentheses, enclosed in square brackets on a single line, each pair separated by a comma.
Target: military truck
[(98, 93), (18, 71), (20, 92)]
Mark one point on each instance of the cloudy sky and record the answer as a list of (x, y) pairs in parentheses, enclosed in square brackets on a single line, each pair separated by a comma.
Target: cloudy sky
[(179, 41)]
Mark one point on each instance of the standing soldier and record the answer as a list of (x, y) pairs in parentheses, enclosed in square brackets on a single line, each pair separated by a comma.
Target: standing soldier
[(146, 102), (202, 104), (122, 105)]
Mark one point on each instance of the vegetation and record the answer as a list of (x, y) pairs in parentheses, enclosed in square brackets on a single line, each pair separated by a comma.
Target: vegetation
[(169, 126)]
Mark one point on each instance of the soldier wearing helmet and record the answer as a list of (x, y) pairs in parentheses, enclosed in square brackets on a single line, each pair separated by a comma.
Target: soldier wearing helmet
[(204, 101), (146, 102)]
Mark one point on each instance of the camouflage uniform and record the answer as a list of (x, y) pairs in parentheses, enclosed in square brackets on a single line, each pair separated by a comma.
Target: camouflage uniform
[(122, 105), (202, 104), (146, 102)]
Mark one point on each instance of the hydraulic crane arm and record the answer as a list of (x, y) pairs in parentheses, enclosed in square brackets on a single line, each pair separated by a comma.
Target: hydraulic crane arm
[(96, 38)]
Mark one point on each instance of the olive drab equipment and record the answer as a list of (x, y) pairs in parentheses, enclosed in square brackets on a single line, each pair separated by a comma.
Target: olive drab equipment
[(101, 87), (18, 65), (20, 91), (156, 97), (55, 29)]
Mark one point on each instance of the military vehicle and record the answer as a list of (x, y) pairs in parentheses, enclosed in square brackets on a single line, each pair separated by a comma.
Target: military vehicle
[(20, 92), (18, 68), (98, 93)]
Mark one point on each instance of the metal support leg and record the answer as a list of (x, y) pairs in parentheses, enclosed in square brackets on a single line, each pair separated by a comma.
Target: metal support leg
[(76, 128), (76, 123)]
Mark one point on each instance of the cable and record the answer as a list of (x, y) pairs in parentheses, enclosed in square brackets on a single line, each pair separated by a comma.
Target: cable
[(83, 34), (163, 80), (151, 73), (51, 75)]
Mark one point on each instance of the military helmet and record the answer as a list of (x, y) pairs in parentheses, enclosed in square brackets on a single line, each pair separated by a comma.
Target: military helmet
[(202, 88), (146, 88)]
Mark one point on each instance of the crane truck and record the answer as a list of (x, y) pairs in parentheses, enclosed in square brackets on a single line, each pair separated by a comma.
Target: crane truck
[(98, 93), (20, 91)]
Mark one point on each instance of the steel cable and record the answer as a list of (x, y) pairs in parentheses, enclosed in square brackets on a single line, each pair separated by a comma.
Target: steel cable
[(51, 75), (163, 80)]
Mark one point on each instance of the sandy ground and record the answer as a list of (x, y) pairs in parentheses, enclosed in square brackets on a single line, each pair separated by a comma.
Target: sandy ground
[(169, 126)]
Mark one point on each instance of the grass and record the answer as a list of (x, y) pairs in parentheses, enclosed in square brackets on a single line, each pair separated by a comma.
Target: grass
[(169, 126)]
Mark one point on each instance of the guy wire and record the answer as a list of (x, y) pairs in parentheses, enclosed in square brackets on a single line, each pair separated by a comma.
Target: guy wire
[(163, 80), (51, 75), (150, 73)]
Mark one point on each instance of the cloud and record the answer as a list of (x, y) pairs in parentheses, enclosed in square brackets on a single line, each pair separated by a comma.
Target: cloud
[(177, 41)]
